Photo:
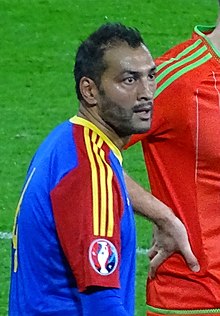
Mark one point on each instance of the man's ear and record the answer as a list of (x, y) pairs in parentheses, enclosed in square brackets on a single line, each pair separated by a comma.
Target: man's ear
[(88, 90)]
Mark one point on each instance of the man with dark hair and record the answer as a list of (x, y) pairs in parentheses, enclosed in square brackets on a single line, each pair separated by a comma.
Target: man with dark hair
[(74, 233), (182, 154)]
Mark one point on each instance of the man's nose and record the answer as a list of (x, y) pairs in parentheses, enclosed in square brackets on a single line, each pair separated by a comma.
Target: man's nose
[(146, 89)]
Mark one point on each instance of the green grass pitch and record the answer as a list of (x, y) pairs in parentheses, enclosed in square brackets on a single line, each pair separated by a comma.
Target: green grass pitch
[(38, 43)]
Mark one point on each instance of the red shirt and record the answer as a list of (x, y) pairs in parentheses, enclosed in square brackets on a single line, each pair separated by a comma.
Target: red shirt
[(182, 154)]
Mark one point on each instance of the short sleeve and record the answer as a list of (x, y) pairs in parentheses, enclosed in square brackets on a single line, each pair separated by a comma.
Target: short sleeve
[(87, 208)]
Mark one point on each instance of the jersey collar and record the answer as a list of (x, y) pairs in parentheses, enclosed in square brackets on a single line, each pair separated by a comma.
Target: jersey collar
[(202, 31), (83, 122)]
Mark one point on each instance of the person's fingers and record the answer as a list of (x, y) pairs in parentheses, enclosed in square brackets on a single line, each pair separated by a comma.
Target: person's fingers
[(160, 257), (151, 253), (190, 258)]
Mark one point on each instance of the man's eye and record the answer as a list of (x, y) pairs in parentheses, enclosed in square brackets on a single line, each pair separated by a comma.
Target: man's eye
[(152, 76), (129, 80)]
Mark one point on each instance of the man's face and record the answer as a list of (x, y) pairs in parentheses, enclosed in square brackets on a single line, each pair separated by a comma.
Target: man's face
[(127, 89)]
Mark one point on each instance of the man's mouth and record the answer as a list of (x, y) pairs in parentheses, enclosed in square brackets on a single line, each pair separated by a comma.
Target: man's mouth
[(143, 112)]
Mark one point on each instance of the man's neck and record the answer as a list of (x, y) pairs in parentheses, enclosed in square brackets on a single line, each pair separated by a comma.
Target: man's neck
[(214, 37), (91, 115)]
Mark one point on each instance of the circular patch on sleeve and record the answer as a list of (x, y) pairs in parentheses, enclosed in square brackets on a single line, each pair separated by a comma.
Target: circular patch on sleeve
[(103, 256)]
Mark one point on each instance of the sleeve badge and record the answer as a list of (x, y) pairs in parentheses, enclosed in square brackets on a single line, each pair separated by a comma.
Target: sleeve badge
[(103, 256)]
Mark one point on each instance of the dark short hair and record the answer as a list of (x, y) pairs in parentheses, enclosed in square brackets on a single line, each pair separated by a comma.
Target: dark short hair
[(89, 57)]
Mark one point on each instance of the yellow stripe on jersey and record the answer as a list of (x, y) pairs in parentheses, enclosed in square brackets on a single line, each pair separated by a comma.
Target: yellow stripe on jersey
[(21, 197), (83, 122), (103, 195), (110, 196), (15, 226), (102, 176), (95, 191)]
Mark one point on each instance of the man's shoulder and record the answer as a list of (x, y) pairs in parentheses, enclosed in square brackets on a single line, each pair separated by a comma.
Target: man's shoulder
[(176, 50)]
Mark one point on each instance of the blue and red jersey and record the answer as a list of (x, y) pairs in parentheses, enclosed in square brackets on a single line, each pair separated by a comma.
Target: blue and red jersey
[(74, 227)]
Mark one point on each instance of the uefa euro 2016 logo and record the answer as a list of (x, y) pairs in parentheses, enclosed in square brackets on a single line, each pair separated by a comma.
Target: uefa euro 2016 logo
[(103, 256)]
